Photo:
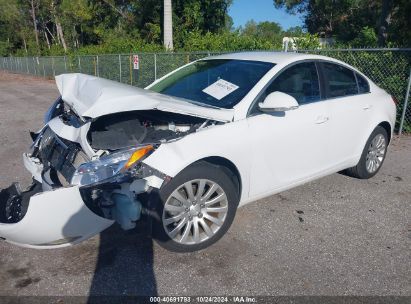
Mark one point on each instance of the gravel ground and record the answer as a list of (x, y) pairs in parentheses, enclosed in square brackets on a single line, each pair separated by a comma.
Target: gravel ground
[(334, 236)]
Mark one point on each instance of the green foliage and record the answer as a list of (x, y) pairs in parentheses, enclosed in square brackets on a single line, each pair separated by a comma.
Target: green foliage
[(345, 20), (366, 38), (4, 48), (267, 31), (307, 42), (103, 26), (123, 26), (226, 41)]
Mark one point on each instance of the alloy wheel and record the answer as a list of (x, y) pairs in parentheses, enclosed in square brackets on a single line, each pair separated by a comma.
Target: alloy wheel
[(375, 153), (195, 211)]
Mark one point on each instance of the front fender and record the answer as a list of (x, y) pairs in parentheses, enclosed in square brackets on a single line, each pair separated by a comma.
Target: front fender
[(227, 141)]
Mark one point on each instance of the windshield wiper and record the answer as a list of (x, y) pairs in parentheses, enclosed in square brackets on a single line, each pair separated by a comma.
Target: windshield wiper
[(205, 105)]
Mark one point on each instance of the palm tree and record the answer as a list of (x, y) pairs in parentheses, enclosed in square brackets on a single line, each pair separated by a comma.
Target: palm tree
[(168, 25)]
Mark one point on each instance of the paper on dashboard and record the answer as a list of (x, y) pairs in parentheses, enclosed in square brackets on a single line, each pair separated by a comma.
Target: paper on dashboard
[(220, 89)]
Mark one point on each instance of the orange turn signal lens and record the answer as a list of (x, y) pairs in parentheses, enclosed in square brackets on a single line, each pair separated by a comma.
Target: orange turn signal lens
[(139, 154)]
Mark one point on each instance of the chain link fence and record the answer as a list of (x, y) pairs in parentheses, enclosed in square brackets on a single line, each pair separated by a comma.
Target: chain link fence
[(388, 68), (118, 67)]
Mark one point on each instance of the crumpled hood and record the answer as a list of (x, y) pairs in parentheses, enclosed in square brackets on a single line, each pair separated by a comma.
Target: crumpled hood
[(92, 96)]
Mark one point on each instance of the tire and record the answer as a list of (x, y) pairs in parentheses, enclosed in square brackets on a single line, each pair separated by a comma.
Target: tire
[(377, 142), (190, 213)]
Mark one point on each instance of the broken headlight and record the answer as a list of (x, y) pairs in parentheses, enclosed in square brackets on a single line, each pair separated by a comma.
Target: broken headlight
[(113, 166), (55, 110)]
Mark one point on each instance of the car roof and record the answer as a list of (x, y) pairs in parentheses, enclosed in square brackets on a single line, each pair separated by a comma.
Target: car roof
[(273, 57)]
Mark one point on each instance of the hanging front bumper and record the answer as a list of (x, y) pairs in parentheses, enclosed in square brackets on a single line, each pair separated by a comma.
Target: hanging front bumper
[(52, 219)]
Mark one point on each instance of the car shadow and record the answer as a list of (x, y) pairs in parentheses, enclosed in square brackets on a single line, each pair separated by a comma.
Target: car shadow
[(124, 266)]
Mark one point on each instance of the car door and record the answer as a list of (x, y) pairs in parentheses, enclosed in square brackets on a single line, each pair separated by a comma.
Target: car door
[(349, 111), (290, 146)]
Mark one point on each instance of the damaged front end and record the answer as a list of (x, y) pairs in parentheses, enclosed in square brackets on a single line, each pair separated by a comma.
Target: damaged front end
[(88, 174)]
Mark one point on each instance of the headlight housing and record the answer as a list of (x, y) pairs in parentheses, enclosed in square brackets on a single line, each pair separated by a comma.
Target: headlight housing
[(111, 167), (53, 111)]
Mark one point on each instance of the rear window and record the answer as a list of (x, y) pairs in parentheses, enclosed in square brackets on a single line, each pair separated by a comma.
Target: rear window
[(363, 86), (339, 81)]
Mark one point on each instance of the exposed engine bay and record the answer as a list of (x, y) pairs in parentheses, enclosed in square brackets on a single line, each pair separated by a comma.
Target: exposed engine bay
[(120, 130)]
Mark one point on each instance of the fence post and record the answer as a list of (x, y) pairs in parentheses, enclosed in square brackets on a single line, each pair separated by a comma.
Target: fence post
[(27, 65), (44, 70), (119, 65), (155, 66), (79, 64), (98, 72), (65, 64), (131, 72), (404, 110), (33, 64), (52, 66)]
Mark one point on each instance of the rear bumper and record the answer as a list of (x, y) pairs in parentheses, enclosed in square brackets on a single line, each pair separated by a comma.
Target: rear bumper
[(54, 219)]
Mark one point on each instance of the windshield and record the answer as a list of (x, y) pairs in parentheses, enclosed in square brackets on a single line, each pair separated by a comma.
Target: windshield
[(218, 82)]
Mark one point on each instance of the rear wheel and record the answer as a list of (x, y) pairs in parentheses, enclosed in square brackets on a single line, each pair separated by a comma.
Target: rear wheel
[(372, 156), (195, 208)]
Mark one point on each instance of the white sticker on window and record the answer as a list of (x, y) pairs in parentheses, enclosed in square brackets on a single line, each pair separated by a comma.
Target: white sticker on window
[(220, 89)]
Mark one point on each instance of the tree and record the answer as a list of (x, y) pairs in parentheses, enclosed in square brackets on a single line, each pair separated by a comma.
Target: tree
[(56, 27), (34, 6), (268, 31), (321, 16), (346, 19), (295, 31), (59, 28), (168, 25)]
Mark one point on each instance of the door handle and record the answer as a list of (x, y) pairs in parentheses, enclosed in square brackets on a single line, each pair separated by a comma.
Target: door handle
[(367, 107), (321, 119)]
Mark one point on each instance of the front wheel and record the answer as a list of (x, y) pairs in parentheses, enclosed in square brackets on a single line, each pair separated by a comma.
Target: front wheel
[(372, 156), (196, 208)]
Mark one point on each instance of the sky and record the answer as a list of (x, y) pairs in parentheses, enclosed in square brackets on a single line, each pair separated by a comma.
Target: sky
[(261, 10)]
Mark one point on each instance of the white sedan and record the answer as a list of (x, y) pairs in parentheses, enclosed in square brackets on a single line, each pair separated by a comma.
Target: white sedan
[(192, 147)]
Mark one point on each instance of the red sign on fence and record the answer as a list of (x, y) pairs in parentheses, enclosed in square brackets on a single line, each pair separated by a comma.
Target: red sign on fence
[(136, 63)]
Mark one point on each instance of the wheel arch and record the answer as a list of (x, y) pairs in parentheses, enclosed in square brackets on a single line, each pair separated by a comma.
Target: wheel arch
[(387, 126), (227, 165)]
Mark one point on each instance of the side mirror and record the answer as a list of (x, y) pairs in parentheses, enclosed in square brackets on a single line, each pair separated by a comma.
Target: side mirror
[(278, 102)]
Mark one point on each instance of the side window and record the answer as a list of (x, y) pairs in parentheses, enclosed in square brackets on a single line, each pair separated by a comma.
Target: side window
[(363, 86), (339, 81), (299, 81)]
